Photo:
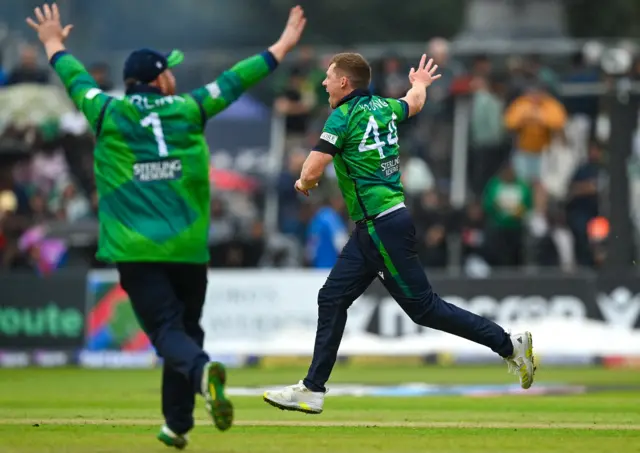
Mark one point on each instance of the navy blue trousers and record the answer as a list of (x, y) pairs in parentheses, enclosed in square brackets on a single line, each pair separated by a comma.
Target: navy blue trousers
[(167, 298), (386, 248)]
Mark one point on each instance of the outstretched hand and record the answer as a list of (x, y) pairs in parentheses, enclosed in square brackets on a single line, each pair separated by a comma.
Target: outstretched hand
[(426, 72), (48, 26), (291, 33), (294, 28)]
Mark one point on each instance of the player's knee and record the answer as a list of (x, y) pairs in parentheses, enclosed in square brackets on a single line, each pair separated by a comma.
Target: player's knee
[(421, 311), (327, 297)]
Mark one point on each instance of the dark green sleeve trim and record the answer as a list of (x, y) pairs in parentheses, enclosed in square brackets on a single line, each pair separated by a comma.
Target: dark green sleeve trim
[(56, 56), (103, 111), (203, 112), (405, 108)]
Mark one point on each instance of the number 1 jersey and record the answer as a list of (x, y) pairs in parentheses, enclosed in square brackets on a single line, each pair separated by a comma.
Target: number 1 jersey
[(362, 135), (151, 161)]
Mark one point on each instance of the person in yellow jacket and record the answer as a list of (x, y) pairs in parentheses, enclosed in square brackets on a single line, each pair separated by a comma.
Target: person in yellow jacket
[(534, 118)]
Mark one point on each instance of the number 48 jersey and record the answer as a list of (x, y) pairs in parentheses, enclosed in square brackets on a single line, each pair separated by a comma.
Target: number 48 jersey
[(362, 135)]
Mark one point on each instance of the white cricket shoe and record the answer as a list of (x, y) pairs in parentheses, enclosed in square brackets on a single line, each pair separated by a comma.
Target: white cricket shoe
[(296, 398), (522, 362)]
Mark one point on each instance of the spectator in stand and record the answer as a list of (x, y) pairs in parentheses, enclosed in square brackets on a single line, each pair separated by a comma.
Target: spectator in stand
[(431, 222), (102, 75), (534, 118), (435, 122), (14, 217), (289, 200), (556, 246), (254, 245), (70, 205), (582, 110), (8, 205), (583, 202), (581, 73), (3, 75), (40, 212), (393, 82), (547, 76), (482, 67), (314, 74), (416, 176), (472, 236), (598, 231), (487, 133), (506, 201), (28, 70), (296, 103), (326, 234), (517, 79), (49, 168)]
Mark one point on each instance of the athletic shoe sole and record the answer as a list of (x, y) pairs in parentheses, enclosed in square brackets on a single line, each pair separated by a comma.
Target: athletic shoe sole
[(178, 442), (302, 407), (218, 406), (529, 355)]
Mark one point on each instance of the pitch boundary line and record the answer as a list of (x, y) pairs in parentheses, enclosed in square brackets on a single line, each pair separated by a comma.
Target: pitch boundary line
[(331, 424)]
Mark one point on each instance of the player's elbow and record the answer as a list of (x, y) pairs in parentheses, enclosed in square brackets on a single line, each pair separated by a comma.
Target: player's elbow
[(231, 86)]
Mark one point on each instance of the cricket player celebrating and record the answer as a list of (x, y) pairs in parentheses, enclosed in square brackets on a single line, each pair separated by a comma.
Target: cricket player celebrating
[(361, 138), (152, 176)]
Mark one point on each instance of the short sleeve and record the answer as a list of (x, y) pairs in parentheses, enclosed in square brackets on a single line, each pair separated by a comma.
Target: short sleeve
[(333, 133), (400, 108)]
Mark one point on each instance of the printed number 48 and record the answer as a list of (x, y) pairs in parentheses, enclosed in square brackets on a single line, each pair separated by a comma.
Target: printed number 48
[(372, 128), (153, 120)]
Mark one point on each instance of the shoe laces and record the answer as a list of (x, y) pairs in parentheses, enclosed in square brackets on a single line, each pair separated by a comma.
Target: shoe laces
[(290, 391), (299, 387)]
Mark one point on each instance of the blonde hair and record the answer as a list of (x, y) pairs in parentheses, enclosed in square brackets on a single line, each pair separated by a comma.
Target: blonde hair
[(354, 67)]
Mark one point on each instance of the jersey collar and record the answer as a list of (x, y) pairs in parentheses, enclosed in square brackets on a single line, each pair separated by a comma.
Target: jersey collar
[(354, 94), (142, 88)]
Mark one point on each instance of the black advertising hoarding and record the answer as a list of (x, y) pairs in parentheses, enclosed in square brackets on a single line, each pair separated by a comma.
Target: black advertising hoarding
[(617, 299), (42, 313), (614, 300)]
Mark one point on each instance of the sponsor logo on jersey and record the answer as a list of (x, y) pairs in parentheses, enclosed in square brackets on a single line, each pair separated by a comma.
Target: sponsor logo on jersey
[(327, 137), (390, 166), (161, 170), (213, 89)]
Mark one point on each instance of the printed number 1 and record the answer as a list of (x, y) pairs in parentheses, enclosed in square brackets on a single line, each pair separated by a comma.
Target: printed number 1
[(372, 127), (153, 120)]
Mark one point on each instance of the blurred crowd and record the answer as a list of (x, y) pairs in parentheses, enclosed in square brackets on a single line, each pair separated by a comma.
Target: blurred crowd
[(535, 174), (534, 180)]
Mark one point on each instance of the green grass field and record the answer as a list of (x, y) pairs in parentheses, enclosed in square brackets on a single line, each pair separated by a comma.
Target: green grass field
[(82, 411)]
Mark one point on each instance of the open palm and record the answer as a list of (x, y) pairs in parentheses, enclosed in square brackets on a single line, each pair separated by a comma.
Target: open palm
[(47, 24), (426, 72), (294, 28)]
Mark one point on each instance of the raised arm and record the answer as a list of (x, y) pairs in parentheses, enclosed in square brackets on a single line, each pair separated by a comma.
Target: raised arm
[(82, 88), (420, 80), (219, 94)]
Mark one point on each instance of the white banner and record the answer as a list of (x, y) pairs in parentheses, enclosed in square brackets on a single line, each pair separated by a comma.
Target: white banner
[(244, 309), (274, 312)]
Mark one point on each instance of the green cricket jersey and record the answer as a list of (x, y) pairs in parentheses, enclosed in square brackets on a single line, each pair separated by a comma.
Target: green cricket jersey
[(362, 135), (152, 161)]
